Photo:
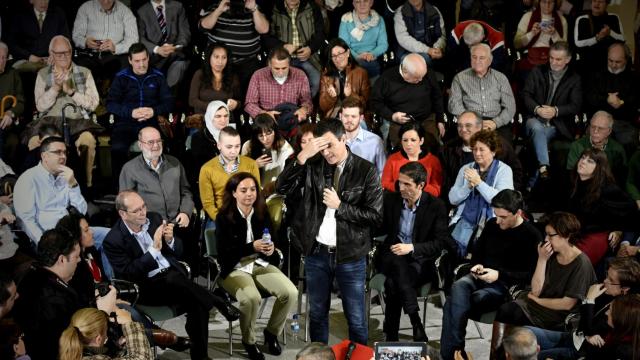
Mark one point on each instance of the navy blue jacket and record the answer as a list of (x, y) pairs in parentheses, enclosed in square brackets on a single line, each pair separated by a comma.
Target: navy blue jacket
[(129, 91)]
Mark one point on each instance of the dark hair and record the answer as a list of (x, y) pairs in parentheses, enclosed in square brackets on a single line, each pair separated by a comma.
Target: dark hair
[(137, 48), (262, 124), (625, 317), (279, 53), (415, 171), (207, 72), (306, 127), (70, 224), (229, 131), (48, 130), (333, 126), (565, 224), (601, 177), (54, 243), (46, 143), (329, 67), (628, 270), (561, 46), (487, 137), (353, 102), (229, 205), (10, 333), (427, 145), (5, 281), (510, 200)]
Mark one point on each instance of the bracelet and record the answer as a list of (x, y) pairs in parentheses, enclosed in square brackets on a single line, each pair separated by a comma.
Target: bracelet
[(254, 9)]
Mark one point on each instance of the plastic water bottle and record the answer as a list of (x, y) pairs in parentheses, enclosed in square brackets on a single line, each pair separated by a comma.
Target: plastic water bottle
[(266, 237), (295, 328)]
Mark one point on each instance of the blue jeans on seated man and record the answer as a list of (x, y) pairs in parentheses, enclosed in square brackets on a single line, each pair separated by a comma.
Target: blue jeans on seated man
[(373, 67), (468, 295), (540, 133), (554, 344), (99, 233), (312, 73), (402, 53), (320, 268)]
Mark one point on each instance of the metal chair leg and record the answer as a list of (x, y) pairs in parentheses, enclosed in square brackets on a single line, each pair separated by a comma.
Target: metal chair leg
[(479, 329), (230, 339)]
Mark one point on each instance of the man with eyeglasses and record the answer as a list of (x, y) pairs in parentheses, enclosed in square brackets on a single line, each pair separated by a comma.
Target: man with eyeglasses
[(138, 95), (599, 137), (408, 93), (62, 83), (44, 193), (457, 152), (143, 249)]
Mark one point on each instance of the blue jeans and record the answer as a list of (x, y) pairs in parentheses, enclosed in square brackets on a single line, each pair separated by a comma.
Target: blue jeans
[(320, 269), (467, 294), (99, 233), (373, 67), (312, 73), (554, 344), (540, 135)]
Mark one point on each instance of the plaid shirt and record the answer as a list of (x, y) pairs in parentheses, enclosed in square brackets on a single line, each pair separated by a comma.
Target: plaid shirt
[(137, 345), (264, 93), (295, 35)]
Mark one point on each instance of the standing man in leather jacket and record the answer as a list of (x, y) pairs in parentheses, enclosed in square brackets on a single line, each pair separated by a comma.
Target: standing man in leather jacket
[(342, 202)]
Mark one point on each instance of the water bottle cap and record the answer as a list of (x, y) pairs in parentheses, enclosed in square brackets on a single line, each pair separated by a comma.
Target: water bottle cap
[(265, 231), (295, 316)]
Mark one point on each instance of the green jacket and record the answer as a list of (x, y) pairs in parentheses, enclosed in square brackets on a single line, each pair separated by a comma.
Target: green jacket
[(614, 151)]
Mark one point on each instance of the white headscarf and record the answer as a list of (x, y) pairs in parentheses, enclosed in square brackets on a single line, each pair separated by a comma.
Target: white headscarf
[(212, 108)]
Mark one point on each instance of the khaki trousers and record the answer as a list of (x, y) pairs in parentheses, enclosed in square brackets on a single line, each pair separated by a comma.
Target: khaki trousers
[(246, 289)]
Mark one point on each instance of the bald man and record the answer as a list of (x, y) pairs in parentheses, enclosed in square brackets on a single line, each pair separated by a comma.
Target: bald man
[(159, 179), (485, 91), (408, 92)]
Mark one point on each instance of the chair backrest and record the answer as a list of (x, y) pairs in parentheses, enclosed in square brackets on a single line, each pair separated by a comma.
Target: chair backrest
[(275, 206), (211, 242)]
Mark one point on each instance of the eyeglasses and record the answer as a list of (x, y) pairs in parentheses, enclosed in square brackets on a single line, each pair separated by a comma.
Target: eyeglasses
[(609, 282), (61, 54), (599, 128), (339, 55), (152, 142), (138, 211), (58, 152), (265, 134)]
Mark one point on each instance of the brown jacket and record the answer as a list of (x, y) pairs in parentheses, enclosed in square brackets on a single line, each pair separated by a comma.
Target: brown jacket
[(357, 77)]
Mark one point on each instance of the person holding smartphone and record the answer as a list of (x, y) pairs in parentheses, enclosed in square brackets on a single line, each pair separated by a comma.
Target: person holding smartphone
[(504, 256)]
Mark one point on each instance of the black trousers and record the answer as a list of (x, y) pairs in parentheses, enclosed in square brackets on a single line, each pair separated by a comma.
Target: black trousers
[(403, 275), (174, 288)]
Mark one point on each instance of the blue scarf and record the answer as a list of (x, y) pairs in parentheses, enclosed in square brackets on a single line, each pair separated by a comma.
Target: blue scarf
[(475, 207)]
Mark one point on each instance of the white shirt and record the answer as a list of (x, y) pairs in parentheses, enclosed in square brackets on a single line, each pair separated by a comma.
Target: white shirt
[(146, 244), (248, 267), (327, 233)]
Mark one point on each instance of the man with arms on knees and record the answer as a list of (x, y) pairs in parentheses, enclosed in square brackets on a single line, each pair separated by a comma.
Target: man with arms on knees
[(216, 172), (408, 93), (361, 142), (485, 91), (416, 226), (276, 84), (342, 201), (138, 95), (142, 249), (505, 255)]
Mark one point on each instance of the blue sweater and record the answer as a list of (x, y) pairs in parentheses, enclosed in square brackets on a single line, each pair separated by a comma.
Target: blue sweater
[(374, 40)]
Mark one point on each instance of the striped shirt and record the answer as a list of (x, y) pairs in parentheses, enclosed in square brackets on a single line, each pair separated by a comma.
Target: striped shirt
[(119, 25), (237, 32), (490, 96)]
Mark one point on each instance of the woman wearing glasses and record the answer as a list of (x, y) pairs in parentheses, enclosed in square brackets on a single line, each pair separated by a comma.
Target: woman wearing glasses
[(561, 279), (269, 149), (341, 77)]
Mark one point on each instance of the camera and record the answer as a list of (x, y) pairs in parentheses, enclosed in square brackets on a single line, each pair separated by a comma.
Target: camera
[(125, 290)]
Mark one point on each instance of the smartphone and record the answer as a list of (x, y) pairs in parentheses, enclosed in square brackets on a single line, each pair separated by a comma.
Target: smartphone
[(411, 117), (179, 46), (400, 350)]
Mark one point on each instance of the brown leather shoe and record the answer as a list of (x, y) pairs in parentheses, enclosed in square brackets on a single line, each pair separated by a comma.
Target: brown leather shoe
[(164, 338)]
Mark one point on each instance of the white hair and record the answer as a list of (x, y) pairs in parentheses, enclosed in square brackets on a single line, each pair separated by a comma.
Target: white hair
[(59, 37), (473, 34)]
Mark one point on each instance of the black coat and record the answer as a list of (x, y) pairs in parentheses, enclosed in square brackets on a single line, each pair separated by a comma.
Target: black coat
[(232, 239), (602, 83), (360, 211), (82, 280), (567, 98), (430, 230), (44, 310), (128, 260), (25, 37)]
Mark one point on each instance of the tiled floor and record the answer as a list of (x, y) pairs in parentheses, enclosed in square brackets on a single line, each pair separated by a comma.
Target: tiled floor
[(218, 334)]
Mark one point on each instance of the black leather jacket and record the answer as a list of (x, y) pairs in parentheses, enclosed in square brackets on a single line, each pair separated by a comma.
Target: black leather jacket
[(360, 210)]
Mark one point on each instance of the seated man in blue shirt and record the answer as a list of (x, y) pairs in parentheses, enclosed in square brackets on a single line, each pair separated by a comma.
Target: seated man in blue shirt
[(43, 194), (416, 227), (361, 142)]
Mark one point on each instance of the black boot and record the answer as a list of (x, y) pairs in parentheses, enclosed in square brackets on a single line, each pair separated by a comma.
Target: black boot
[(418, 329), (227, 310), (272, 343), (253, 351)]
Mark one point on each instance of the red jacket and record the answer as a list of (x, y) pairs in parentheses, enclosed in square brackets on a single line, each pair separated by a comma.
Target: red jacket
[(430, 162)]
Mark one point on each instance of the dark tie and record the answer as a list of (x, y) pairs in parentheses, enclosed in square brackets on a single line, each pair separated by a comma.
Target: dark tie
[(162, 23)]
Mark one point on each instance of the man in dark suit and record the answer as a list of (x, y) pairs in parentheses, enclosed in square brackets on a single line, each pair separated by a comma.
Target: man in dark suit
[(141, 248), (164, 30), (416, 226), (31, 32)]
